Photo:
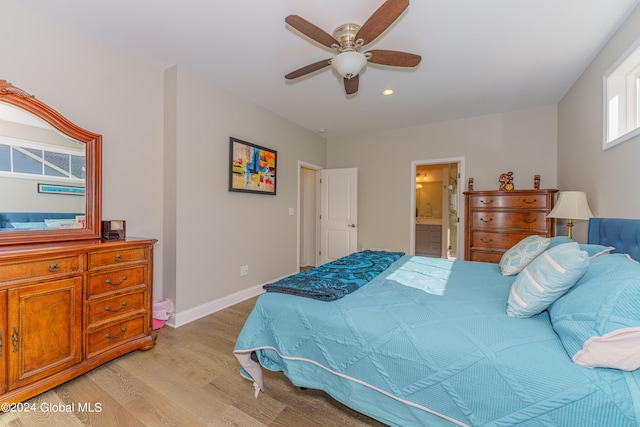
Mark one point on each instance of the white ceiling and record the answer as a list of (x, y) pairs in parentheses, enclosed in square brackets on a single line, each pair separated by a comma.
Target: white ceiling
[(478, 57)]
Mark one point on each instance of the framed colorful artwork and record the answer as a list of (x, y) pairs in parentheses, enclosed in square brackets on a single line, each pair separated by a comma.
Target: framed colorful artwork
[(252, 168)]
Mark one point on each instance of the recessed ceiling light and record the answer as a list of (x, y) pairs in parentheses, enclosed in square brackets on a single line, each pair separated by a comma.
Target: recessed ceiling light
[(387, 92), (321, 130)]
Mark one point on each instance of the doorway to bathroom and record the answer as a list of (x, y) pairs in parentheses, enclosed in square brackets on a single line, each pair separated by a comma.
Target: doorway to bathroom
[(435, 212)]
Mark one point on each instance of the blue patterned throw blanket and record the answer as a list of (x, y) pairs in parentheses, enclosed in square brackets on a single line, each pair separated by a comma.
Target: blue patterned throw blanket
[(336, 279)]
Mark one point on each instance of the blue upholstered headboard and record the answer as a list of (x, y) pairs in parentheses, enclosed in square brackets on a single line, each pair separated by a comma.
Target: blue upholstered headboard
[(622, 234)]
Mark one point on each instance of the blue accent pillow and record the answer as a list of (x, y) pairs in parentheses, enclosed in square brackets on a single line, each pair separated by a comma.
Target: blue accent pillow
[(522, 253), (559, 240), (592, 249), (545, 279), (595, 250), (598, 320)]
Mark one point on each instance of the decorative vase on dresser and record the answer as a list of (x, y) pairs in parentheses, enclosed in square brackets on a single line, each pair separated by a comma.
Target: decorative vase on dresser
[(69, 300), (497, 220)]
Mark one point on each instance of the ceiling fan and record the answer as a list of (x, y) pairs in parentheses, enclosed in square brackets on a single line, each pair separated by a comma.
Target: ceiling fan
[(348, 39)]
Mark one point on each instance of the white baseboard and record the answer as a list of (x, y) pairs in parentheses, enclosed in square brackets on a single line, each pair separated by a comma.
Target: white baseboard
[(182, 318)]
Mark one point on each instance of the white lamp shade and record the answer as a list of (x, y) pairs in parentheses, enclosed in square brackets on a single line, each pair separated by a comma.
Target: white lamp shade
[(349, 64), (571, 205)]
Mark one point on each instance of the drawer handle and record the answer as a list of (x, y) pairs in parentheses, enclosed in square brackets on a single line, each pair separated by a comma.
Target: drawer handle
[(122, 306), (486, 203), (529, 221), (486, 241), (54, 267), (1, 342), (486, 220), (118, 257), (14, 339), (529, 203), (122, 331), (109, 282)]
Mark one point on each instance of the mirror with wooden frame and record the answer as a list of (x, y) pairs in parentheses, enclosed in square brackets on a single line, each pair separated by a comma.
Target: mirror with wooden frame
[(50, 173)]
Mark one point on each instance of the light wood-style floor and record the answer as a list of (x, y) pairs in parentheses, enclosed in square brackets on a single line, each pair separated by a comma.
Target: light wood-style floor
[(190, 378)]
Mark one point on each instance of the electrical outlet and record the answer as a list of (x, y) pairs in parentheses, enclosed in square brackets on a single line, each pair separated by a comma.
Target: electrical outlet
[(244, 270)]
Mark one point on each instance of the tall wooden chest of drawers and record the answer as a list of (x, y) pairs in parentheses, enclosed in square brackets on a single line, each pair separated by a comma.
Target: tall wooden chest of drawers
[(497, 220)]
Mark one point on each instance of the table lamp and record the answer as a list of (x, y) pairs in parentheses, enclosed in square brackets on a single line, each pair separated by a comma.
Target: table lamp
[(571, 205)]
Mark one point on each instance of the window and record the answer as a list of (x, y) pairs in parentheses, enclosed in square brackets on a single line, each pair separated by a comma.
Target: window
[(28, 158), (622, 98)]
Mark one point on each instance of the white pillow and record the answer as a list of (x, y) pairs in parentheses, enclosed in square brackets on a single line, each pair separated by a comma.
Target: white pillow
[(60, 223), (595, 250), (617, 349), (522, 253), (598, 320), (546, 279)]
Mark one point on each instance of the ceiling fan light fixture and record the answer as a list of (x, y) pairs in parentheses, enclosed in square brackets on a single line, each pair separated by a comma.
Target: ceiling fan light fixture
[(349, 64), (348, 39)]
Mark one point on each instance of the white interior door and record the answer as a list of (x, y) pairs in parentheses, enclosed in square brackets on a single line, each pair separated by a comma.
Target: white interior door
[(338, 213)]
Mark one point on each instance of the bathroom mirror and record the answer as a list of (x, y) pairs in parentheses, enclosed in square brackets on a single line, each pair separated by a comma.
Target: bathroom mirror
[(50, 173)]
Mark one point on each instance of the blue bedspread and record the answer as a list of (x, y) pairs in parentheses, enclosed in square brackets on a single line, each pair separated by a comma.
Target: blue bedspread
[(427, 342), (338, 278)]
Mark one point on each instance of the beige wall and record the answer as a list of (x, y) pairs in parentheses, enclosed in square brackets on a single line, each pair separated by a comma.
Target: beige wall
[(165, 159), (104, 91), (217, 231), (609, 177), (520, 141)]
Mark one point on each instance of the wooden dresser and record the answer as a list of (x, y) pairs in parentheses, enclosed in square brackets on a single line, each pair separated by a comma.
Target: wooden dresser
[(68, 307), (497, 220)]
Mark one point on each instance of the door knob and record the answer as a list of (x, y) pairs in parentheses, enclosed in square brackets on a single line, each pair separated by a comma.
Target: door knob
[(351, 225)]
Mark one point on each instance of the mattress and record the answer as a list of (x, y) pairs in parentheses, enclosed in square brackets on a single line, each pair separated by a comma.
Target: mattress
[(428, 342)]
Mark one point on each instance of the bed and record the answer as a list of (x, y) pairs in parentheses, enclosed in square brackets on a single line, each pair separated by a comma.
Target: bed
[(433, 342), (37, 220)]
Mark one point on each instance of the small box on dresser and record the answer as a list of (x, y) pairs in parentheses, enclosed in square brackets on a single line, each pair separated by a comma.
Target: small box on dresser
[(497, 220)]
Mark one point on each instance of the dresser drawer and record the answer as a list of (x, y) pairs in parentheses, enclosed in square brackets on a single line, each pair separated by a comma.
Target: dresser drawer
[(434, 236), (41, 268), (429, 227), (520, 220), (479, 256), (123, 256), (105, 310), (434, 248), (115, 280), (114, 335), (523, 201), (495, 240)]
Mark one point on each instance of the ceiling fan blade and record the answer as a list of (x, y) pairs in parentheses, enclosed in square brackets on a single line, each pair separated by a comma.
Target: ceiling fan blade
[(394, 58), (311, 31), (381, 20), (351, 85), (308, 69)]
